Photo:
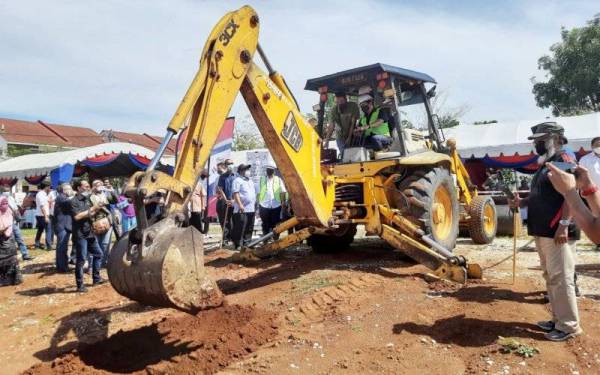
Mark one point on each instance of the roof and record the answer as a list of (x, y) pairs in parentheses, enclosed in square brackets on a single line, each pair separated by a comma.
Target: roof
[(149, 141), (42, 164), (364, 75), (510, 138), (41, 133)]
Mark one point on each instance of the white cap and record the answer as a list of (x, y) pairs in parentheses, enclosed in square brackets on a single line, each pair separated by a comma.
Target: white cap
[(364, 90), (364, 98)]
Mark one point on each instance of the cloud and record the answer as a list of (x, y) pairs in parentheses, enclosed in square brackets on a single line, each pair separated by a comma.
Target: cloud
[(126, 65)]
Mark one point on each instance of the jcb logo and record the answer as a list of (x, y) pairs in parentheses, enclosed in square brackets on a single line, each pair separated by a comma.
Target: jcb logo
[(229, 32), (291, 132)]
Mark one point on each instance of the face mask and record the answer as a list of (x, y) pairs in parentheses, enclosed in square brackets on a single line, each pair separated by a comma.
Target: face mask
[(365, 108), (203, 177), (85, 193), (540, 148), (270, 172), (597, 150), (230, 168), (246, 173)]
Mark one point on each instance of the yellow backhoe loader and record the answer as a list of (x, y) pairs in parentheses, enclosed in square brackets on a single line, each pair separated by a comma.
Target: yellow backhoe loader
[(410, 194)]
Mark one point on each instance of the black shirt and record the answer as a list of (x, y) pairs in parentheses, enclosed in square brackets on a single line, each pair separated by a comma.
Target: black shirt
[(81, 228), (545, 203)]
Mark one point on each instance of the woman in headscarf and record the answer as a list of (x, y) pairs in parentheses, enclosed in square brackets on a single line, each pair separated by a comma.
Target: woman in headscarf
[(10, 274)]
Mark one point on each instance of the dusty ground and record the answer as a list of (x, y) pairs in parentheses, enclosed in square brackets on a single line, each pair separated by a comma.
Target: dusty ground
[(367, 310)]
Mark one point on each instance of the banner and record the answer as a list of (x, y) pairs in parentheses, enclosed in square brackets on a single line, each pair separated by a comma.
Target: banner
[(220, 152)]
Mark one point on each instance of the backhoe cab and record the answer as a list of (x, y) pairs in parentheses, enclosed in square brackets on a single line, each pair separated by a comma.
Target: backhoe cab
[(397, 90)]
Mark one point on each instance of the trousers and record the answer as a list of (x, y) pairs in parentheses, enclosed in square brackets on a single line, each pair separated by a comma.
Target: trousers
[(558, 267)]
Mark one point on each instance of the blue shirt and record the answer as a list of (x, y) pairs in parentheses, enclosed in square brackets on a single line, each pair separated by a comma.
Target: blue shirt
[(245, 187), (225, 183)]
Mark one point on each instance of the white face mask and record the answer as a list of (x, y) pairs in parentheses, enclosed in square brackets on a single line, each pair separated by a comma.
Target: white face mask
[(596, 150), (246, 173)]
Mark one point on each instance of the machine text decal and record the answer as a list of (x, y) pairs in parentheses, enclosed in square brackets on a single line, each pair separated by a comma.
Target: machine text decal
[(291, 132), (229, 32)]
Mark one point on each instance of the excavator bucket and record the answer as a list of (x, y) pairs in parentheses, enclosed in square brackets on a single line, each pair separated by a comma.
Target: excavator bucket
[(166, 269)]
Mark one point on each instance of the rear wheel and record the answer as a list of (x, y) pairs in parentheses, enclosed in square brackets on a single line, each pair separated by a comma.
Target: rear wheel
[(483, 223), (433, 203), (339, 239)]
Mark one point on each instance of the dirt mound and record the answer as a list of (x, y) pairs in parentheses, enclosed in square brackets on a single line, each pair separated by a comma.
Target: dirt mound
[(184, 344)]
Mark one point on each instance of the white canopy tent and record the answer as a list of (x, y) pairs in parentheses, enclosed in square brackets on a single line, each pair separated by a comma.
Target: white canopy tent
[(43, 164), (510, 138)]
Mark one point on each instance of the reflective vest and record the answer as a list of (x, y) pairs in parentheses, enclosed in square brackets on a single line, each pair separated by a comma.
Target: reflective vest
[(382, 129), (263, 189)]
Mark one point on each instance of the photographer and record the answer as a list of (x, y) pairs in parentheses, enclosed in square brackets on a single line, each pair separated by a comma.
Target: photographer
[(571, 187)]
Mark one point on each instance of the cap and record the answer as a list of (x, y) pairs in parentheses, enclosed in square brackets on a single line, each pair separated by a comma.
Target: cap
[(545, 128), (228, 162), (364, 90), (340, 93), (364, 98), (243, 167), (270, 166)]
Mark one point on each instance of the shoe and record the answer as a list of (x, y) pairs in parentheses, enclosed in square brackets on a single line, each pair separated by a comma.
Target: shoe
[(546, 325), (99, 282), (81, 289), (28, 257), (41, 247), (546, 299), (72, 262), (577, 292), (557, 335)]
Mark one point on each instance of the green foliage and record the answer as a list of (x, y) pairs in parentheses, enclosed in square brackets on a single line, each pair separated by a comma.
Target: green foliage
[(484, 122), (510, 345), (246, 136), (572, 69), (448, 121)]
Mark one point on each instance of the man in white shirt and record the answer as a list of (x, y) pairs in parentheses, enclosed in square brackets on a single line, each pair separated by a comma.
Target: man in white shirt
[(42, 215), (591, 162), (271, 199), (244, 203)]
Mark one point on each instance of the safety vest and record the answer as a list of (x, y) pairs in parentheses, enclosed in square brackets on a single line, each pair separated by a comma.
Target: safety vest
[(382, 129), (263, 189)]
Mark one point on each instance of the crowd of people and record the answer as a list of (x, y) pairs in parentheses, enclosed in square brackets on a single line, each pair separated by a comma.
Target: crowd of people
[(86, 216), (239, 198)]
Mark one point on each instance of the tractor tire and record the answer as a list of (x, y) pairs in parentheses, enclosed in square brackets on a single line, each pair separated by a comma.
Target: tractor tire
[(339, 240), (433, 203), (483, 223)]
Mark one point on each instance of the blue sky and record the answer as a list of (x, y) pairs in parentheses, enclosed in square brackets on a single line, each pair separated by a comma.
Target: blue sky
[(125, 65)]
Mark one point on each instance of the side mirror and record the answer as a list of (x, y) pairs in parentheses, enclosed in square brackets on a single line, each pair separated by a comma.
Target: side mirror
[(316, 107), (431, 92)]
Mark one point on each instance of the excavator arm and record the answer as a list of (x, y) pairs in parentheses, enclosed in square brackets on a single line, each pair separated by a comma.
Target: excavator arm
[(161, 261)]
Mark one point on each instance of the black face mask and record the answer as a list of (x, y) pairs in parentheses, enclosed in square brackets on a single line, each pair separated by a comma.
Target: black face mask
[(540, 148), (365, 108), (270, 172)]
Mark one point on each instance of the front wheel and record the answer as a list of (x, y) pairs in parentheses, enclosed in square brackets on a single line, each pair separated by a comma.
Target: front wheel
[(433, 203)]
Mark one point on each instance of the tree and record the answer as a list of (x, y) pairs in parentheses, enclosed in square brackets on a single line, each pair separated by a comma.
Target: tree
[(485, 122), (246, 135), (573, 72), (448, 116)]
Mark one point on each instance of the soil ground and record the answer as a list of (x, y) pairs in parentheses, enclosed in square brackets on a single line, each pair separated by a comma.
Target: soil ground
[(365, 310)]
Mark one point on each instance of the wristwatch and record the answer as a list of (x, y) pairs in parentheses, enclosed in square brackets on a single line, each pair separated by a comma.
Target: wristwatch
[(564, 222)]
